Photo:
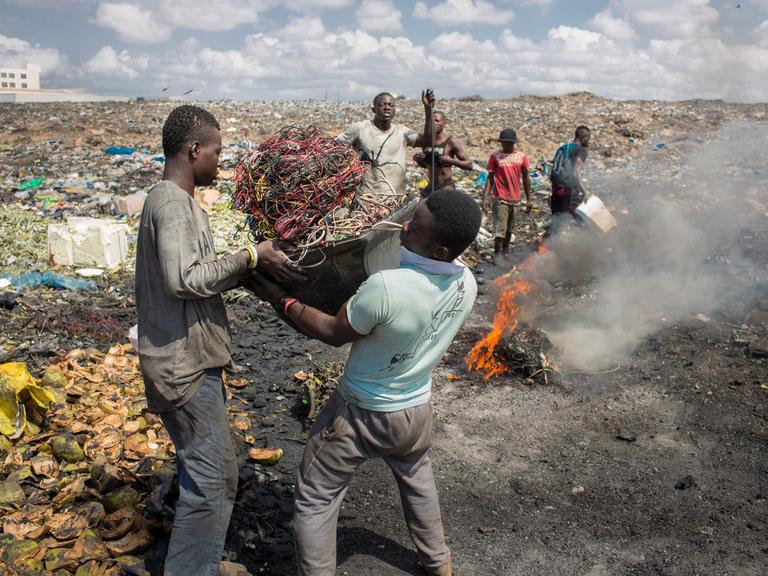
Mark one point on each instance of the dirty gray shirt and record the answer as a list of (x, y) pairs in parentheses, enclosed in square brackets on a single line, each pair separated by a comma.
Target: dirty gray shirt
[(183, 326)]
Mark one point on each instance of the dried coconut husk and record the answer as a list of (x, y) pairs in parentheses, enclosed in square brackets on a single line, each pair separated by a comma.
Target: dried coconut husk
[(11, 492), (105, 476), (72, 522), (28, 522), (58, 558), (90, 568), (22, 556), (265, 456), (130, 543), (65, 447), (70, 489), (241, 423), (119, 523), (120, 498), (44, 465), (108, 443), (88, 546)]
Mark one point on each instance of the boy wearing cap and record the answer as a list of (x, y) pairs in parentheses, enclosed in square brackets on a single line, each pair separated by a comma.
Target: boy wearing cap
[(505, 169)]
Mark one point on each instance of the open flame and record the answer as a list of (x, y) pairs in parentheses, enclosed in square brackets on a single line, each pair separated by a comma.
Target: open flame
[(505, 321)]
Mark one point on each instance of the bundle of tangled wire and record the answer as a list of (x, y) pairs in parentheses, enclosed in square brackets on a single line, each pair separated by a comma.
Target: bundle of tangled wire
[(292, 184)]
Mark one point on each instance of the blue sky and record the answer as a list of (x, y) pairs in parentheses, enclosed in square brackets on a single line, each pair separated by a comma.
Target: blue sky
[(258, 49)]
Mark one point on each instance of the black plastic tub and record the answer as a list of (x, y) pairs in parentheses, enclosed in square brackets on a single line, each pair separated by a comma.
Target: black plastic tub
[(337, 270)]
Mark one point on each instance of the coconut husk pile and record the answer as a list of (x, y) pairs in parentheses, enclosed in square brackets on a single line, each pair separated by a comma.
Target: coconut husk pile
[(529, 352), (78, 485), (318, 382)]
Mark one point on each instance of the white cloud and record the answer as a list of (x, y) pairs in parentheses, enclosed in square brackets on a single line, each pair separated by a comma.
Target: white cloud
[(212, 15), (625, 53), (54, 4), (132, 23), (378, 16), (302, 29), (669, 19), (452, 42), (288, 64), (542, 3), (317, 5), (761, 33), (463, 13), (109, 63), (611, 26)]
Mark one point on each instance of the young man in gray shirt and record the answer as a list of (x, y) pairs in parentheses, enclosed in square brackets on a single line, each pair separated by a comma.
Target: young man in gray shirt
[(184, 335)]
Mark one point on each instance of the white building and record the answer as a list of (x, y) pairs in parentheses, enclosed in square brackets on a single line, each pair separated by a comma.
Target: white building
[(18, 79), (19, 85)]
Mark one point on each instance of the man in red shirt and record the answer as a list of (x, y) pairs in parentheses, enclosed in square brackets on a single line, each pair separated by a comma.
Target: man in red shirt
[(505, 169)]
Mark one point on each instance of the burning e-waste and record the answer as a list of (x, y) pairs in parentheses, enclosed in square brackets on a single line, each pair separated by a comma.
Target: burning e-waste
[(513, 346)]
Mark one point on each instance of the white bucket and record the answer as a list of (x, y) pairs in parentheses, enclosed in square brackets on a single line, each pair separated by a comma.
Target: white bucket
[(596, 215)]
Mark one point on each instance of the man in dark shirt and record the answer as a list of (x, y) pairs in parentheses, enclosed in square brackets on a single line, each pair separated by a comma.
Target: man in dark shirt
[(440, 159), (184, 338), (567, 188)]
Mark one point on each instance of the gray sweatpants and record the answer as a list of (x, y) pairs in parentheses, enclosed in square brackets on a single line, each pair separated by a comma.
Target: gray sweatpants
[(343, 437), (207, 467)]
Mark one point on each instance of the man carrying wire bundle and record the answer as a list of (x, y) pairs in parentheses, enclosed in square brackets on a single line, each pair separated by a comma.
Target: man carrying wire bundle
[(383, 143), (400, 322), (440, 158), (184, 337)]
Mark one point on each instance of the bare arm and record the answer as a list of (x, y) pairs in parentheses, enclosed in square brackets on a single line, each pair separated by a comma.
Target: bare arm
[(457, 156), (578, 163), (487, 191), (333, 330), (527, 186), (428, 100)]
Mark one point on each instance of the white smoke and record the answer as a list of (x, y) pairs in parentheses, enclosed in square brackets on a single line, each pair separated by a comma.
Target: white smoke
[(676, 253)]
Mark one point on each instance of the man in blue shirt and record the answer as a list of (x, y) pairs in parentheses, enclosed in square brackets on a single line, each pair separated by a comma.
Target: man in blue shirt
[(400, 322)]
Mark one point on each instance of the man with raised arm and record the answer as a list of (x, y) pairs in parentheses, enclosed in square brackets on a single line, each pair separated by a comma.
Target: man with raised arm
[(440, 159), (382, 142)]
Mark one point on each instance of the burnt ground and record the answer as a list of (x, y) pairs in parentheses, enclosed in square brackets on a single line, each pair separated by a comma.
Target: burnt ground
[(657, 466), (654, 467)]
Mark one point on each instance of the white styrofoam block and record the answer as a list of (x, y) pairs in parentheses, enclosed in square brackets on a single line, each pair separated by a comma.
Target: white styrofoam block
[(85, 241)]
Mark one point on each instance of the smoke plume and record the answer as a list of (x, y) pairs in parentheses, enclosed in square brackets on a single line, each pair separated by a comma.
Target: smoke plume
[(678, 250)]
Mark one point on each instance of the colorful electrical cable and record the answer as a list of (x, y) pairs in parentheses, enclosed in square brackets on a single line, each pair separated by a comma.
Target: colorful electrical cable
[(301, 186)]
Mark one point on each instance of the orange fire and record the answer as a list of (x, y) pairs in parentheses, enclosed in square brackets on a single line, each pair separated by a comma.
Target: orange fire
[(505, 321)]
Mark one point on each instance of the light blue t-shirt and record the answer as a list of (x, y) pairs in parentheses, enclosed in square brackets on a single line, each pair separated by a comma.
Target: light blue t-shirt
[(409, 316)]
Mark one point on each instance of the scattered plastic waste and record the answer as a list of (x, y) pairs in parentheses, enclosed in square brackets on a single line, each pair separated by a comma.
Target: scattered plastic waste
[(19, 393), (118, 150), (49, 279), (31, 184), (89, 272), (481, 179), (133, 337)]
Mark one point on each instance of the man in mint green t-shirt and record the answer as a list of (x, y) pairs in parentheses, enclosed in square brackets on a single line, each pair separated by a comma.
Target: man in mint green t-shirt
[(400, 322)]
